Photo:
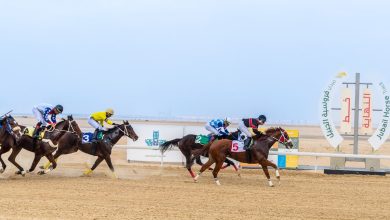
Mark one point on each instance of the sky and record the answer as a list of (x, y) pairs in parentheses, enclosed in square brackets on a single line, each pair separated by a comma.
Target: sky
[(188, 58)]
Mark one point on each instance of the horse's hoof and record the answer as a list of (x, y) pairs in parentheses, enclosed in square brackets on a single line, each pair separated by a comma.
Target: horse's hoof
[(41, 167), (114, 176), (270, 183), (239, 175), (42, 172), (218, 183), (2, 170), (88, 172), (23, 173), (196, 178)]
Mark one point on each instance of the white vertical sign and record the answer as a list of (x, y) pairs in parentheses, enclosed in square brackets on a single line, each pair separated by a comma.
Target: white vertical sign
[(327, 125), (346, 110), (367, 112), (383, 131)]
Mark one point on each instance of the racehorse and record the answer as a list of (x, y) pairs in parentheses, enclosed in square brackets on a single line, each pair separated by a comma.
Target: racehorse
[(258, 153), (44, 147), (187, 145), (102, 149)]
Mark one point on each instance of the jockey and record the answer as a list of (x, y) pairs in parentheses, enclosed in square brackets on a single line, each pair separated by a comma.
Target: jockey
[(41, 113), (253, 123), (218, 127), (96, 121), (7, 126)]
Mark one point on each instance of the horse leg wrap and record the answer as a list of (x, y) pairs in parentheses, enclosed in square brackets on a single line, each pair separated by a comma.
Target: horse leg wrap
[(191, 173), (114, 176), (270, 183), (224, 167), (87, 172), (197, 177), (235, 167), (47, 164), (217, 181)]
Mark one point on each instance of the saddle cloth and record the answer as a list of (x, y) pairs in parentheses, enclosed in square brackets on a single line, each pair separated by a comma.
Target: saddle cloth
[(237, 147)]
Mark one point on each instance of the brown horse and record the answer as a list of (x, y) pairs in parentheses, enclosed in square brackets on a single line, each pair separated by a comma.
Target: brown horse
[(258, 153), (187, 145), (43, 147), (69, 143)]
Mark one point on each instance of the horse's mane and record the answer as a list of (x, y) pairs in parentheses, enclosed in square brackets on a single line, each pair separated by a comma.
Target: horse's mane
[(113, 128), (272, 129)]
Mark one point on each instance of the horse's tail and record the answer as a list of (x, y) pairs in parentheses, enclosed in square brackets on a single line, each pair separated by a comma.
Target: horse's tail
[(169, 144), (202, 151)]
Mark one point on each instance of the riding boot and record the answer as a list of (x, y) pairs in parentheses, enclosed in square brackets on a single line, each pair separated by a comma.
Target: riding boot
[(95, 136), (247, 143)]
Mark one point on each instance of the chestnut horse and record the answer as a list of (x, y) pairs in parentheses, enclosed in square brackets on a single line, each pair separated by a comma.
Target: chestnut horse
[(187, 146), (258, 153)]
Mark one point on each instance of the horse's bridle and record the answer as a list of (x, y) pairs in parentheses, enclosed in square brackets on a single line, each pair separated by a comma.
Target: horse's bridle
[(125, 131), (282, 131), (70, 128)]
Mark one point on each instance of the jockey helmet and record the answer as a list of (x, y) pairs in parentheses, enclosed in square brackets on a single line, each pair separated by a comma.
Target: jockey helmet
[(110, 111), (263, 118), (59, 108), (227, 121)]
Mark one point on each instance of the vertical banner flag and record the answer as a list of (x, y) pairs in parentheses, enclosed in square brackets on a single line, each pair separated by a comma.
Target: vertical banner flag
[(327, 125), (367, 112), (383, 131), (346, 110)]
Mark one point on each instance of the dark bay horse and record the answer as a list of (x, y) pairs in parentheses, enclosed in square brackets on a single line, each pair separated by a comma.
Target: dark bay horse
[(258, 153), (102, 149), (43, 147), (187, 146)]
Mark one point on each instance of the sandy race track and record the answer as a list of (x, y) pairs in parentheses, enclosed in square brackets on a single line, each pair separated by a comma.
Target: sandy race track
[(152, 192)]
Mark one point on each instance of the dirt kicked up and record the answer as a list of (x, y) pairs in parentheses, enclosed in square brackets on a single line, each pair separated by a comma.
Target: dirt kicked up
[(152, 192)]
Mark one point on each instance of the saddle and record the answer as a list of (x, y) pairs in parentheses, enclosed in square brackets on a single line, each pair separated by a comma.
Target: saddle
[(202, 139), (29, 131)]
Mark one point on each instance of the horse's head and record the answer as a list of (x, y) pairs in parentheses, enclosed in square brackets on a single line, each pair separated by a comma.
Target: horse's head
[(73, 126), (128, 130), (11, 126), (62, 127), (70, 117), (280, 135)]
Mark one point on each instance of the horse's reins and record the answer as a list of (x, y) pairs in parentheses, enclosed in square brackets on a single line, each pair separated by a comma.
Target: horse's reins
[(278, 140), (125, 131), (70, 129)]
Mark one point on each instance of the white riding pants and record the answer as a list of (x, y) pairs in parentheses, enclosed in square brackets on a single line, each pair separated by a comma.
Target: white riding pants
[(211, 129), (244, 129), (38, 115), (96, 125)]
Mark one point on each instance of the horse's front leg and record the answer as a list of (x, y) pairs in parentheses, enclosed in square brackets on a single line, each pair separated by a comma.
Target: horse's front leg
[(204, 167), (109, 163), (265, 169), (97, 162), (3, 149), (270, 164), (264, 164), (34, 164), (12, 158)]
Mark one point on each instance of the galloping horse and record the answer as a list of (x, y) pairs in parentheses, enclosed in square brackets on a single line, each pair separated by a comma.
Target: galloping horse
[(258, 153), (102, 149), (42, 148), (187, 145)]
